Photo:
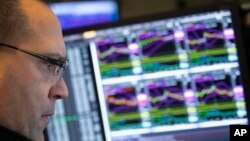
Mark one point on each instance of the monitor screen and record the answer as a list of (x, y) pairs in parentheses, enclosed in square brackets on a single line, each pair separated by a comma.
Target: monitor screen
[(174, 76), (77, 118), (85, 13)]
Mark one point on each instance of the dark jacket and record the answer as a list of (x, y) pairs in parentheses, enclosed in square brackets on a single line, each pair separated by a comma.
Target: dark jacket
[(9, 135)]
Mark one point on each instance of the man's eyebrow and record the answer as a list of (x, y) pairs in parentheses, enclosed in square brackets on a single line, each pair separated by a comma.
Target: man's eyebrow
[(55, 56)]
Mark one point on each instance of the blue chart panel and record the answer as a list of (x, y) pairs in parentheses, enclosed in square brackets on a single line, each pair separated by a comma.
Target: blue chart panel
[(207, 44), (167, 102), (158, 50), (123, 107), (114, 57), (214, 90), (202, 37)]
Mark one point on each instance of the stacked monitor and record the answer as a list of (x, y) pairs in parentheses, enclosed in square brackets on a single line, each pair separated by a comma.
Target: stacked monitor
[(85, 13), (176, 76)]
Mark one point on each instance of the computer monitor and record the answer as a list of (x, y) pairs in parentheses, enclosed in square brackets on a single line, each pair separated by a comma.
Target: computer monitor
[(85, 13), (173, 76)]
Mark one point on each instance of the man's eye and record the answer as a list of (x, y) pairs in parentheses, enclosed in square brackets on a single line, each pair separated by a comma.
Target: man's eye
[(57, 70), (50, 66)]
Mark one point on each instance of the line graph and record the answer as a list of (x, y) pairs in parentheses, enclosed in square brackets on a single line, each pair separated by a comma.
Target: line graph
[(205, 36), (158, 45), (121, 99), (215, 96), (167, 102), (162, 97), (113, 50), (113, 54), (158, 51), (214, 90), (207, 44), (109, 50), (122, 107)]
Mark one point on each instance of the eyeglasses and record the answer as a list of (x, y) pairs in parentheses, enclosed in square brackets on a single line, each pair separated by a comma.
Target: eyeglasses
[(57, 67)]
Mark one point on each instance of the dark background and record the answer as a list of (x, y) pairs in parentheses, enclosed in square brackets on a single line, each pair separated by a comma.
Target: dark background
[(135, 8)]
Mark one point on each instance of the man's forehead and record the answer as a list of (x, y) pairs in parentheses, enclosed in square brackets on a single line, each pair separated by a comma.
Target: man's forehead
[(38, 14), (46, 33), (36, 5)]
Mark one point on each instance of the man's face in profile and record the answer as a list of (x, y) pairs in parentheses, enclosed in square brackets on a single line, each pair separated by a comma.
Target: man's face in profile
[(30, 87)]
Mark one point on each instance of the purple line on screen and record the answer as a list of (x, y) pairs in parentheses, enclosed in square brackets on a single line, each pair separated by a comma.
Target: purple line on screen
[(155, 48), (121, 108), (213, 95)]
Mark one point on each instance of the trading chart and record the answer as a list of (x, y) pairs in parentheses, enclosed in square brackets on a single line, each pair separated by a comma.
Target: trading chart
[(123, 107), (167, 102), (169, 75)]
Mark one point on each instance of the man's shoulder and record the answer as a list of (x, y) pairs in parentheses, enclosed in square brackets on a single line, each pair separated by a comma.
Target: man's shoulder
[(9, 135)]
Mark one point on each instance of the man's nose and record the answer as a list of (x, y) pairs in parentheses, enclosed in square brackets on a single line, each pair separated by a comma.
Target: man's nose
[(59, 90)]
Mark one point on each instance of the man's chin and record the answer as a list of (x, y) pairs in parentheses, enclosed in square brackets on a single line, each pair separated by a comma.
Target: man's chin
[(45, 120), (37, 135), (40, 137)]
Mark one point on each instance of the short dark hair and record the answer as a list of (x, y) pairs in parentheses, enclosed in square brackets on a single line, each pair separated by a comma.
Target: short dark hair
[(13, 21)]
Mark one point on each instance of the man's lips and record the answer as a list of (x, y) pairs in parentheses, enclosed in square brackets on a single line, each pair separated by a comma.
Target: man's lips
[(46, 117), (50, 114)]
